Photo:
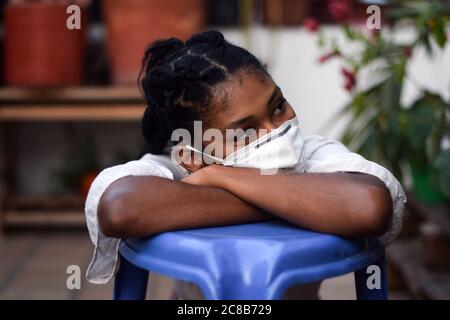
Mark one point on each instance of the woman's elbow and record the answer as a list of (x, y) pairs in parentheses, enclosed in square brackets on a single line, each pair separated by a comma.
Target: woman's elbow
[(378, 215), (114, 215)]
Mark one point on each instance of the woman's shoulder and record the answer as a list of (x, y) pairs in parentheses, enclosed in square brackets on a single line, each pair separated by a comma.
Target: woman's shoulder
[(164, 161), (318, 147), (148, 164)]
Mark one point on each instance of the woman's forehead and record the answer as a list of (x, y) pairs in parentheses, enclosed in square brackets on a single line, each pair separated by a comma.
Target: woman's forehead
[(241, 96)]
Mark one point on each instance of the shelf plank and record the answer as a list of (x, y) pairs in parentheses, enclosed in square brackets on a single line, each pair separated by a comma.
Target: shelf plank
[(33, 202), (73, 94), (94, 112), (405, 256), (39, 218)]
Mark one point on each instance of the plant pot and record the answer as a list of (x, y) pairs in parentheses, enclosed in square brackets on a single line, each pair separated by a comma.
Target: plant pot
[(425, 190), (86, 182), (411, 223), (39, 49), (435, 247), (132, 25), (285, 12), (223, 13)]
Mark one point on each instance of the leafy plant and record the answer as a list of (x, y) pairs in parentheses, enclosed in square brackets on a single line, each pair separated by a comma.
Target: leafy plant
[(441, 165), (380, 127)]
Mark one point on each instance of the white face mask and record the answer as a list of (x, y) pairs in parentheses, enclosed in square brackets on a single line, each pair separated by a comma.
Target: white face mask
[(279, 149)]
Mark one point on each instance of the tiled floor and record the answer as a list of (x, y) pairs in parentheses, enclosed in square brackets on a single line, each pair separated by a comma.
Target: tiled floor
[(33, 266)]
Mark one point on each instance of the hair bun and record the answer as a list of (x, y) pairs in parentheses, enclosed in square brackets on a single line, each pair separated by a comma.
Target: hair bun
[(160, 49), (212, 37)]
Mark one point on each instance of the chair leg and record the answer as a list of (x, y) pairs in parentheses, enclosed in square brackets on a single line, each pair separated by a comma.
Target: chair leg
[(130, 282), (371, 282)]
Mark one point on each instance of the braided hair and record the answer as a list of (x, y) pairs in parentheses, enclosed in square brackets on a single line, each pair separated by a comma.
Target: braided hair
[(180, 79)]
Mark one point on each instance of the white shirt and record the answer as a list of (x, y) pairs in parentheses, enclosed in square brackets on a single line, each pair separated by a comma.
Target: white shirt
[(320, 155)]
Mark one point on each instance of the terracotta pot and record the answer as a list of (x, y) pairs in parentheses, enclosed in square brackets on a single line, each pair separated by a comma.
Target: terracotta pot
[(39, 49), (435, 247), (86, 182), (132, 25), (285, 12)]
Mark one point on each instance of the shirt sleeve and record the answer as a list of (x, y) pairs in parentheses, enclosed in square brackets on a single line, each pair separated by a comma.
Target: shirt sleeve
[(105, 258), (324, 155)]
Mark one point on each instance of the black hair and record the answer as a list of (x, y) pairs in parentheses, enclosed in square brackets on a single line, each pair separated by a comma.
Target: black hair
[(178, 79)]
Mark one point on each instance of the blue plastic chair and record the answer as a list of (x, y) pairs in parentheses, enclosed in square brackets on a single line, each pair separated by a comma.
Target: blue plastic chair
[(248, 261)]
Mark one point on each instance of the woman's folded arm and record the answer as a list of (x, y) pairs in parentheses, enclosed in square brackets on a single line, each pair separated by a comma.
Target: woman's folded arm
[(345, 204), (141, 206)]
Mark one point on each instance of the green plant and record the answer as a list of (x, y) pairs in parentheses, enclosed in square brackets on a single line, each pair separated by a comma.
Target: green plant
[(380, 127), (78, 161), (442, 166)]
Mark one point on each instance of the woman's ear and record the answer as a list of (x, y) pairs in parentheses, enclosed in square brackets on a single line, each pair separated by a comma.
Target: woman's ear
[(191, 160)]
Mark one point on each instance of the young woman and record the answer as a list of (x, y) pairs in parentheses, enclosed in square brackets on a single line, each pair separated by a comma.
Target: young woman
[(207, 79)]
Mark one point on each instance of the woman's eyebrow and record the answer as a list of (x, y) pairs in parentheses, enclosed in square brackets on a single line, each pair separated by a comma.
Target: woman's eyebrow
[(239, 123)]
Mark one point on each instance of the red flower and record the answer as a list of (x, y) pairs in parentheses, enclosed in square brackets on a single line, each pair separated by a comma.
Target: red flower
[(407, 51), (347, 73), (350, 79), (340, 9), (328, 56), (311, 24), (349, 85)]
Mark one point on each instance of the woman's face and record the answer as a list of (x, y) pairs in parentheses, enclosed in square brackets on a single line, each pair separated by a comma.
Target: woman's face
[(247, 101)]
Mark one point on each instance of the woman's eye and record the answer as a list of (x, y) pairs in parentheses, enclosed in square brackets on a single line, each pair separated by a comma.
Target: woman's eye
[(280, 108)]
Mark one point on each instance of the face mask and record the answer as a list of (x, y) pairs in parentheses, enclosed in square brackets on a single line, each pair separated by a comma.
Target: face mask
[(279, 149)]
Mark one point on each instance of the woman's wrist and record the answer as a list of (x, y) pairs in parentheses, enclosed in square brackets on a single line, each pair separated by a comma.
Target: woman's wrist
[(220, 176), (216, 176), (228, 178)]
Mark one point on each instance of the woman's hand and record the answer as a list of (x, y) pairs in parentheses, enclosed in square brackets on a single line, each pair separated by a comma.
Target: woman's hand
[(218, 176), (207, 176)]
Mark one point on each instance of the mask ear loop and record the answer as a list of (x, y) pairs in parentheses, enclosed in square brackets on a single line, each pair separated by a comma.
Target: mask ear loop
[(216, 159)]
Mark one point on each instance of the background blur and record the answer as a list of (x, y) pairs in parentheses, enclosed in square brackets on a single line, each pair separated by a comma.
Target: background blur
[(70, 106)]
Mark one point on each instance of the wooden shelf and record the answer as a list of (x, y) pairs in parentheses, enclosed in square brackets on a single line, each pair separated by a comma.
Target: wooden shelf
[(42, 218), (73, 94), (440, 215), (405, 256), (30, 113), (80, 104), (71, 104), (36, 202)]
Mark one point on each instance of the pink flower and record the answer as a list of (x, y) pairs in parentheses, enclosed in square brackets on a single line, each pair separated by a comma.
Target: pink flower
[(350, 79), (407, 51), (340, 9), (311, 24), (328, 56), (349, 86)]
